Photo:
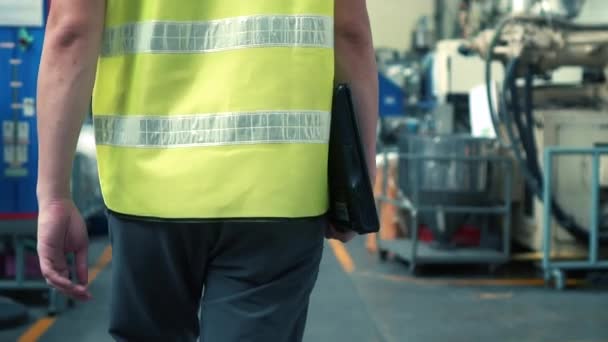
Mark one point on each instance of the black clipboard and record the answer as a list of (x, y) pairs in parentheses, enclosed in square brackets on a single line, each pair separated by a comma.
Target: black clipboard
[(352, 203)]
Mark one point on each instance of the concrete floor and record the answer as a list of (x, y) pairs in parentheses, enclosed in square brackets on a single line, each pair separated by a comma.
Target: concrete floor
[(364, 300)]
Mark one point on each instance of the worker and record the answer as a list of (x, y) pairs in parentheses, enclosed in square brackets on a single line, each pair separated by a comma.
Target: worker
[(212, 126)]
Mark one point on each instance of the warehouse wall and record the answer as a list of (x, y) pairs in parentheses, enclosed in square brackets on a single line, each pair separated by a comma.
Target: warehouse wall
[(393, 20)]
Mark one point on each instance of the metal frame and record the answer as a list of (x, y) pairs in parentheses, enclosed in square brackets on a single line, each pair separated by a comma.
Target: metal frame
[(554, 270), (22, 233), (409, 249)]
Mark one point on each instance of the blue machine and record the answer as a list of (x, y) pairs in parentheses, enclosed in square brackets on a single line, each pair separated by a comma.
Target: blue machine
[(20, 50), (392, 97)]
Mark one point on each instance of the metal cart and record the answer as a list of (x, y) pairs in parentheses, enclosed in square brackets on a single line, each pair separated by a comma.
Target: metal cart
[(553, 269), (415, 203), (23, 234)]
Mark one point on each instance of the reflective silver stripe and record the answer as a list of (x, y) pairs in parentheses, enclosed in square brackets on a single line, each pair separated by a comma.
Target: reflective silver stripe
[(213, 129), (219, 35)]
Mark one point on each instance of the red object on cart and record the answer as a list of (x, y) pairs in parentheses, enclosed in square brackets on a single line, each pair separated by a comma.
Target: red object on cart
[(465, 236), (17, 216)]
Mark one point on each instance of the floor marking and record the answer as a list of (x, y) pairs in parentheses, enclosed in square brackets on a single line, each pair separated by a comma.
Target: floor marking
[(512, 282), (37, 330), (538, 256), (342, 255), (347, 263), (41, 326), (495, 296), (102, 262)]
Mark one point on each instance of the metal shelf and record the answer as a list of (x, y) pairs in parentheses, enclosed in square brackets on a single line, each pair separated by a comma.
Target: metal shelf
[(22, 232), (427, 254), (416, 252)]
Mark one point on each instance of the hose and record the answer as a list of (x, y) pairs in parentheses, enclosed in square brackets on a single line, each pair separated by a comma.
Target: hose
[(529, 105), (555, 22), (529, 164)]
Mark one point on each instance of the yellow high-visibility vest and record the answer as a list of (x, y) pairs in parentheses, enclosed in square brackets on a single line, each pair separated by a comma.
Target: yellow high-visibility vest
[(216, 108)]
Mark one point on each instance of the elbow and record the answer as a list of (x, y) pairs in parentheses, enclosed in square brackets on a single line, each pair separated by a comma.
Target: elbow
[(356, 37), (65, 33)]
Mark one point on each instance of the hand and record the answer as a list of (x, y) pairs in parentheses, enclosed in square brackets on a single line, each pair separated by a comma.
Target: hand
[(61, 230), (333, 233)]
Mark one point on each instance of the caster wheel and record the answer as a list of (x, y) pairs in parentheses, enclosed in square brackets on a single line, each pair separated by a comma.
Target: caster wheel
[(559, 279), (414, 270), (548, 278), (383, 255)]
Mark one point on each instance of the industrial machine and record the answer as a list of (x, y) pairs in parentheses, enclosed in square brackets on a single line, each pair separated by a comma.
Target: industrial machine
[(532, 115), (531, 75), (535, 116)]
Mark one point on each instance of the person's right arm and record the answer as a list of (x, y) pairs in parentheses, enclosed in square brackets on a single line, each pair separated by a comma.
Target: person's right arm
[(67, 71), (356, 66)]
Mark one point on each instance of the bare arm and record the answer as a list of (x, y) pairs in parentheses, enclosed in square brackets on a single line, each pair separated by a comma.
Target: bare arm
[(67, 71), (356, 65), (65, 83)]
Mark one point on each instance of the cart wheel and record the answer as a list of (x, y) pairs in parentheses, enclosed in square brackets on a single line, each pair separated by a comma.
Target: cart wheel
[(547, 277), (560, 279), (383, 255), (52, 302), (414, 269)]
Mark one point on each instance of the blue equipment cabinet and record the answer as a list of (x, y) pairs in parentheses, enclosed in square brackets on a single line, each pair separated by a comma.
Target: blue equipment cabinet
[(20, 50), (392, 98)]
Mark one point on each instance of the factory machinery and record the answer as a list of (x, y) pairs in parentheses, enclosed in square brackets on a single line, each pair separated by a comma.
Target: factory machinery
[(530, 78)]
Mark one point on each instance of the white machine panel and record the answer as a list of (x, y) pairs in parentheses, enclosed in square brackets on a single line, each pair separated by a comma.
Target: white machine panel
[(21, 13), (575, 128), (454, 73)]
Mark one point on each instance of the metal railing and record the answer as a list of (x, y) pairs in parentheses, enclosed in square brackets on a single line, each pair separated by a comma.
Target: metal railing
[(554, 270)]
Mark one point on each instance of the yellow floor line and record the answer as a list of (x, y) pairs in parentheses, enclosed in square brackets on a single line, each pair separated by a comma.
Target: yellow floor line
[(103, 261), (37, 330), (342, 255), (41, 326), (507, 282), (348, 265)]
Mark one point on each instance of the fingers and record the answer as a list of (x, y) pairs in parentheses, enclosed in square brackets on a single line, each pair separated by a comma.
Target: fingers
[(332, 233), (56, 274), (63, 284), (82, 267)]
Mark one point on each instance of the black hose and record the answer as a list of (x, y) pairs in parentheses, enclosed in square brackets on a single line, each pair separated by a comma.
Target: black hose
[(530, 178), (516, 108), (529, 164), (529, 105)]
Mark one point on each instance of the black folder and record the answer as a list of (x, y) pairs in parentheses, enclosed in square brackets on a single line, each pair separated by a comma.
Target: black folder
[(352, 203)]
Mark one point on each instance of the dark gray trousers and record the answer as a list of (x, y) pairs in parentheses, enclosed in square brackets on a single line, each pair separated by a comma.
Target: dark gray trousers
[(257, 278)]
